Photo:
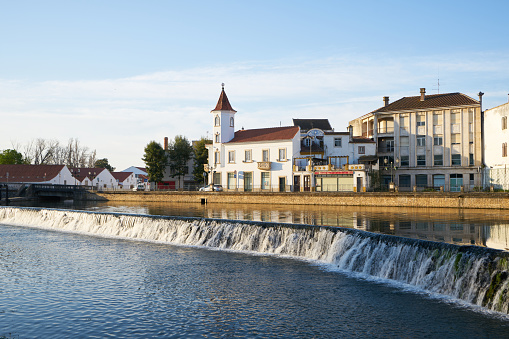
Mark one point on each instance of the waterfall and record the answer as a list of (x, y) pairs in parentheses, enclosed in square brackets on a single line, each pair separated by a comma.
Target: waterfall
[(474, 274)]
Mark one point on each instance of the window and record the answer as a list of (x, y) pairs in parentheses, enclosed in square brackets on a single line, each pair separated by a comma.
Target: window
[(421, 160), (405, 161), (337, 142), (404, 181), (421, 140), (217, 159), (247, 156), (217, 121), (403, 122), (265, 180), (456, 159), (265, 155), (438, 160), (471, 159), (437, 118), (504, 122), (421, 119), (282, 154), (218, 139), (390, 145), (455, 116), (455, 139), (504, 149), (438, 180), (437, 140), (231, 122), (421, 180), (231, 157), (361, 150), (231, 181)]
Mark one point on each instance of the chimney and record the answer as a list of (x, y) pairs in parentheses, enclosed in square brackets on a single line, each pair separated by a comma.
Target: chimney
[(350, 130), (165, 143), (386, 101), (423, 94)]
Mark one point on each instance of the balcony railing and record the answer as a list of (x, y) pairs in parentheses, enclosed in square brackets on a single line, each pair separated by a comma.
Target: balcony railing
[(264, 165), (385, 130)]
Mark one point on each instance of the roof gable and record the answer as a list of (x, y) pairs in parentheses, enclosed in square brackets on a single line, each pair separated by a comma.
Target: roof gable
[(265, 134), (121, 176)]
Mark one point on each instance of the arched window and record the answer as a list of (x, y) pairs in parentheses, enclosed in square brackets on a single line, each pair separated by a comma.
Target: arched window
[(218, 139), (231, 122), (217, 121)]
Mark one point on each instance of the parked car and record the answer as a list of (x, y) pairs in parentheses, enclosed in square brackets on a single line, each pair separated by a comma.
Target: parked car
[(211, 188), (139, 188)]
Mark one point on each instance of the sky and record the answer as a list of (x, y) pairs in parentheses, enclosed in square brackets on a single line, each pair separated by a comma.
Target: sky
[(117, 75)]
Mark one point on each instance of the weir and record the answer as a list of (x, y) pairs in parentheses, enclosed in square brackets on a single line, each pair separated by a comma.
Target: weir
[(473, 274)]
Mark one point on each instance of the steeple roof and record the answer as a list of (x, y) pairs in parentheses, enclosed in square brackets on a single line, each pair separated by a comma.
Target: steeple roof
[(223, 104)]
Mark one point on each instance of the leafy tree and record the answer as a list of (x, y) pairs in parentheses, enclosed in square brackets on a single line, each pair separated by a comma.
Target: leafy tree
[(103, 163), (179, 151), (12, 157), (201, 156), (155, 161)]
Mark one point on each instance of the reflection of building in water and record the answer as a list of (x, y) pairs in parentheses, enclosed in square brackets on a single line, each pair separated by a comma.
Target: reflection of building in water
[(497, 236)]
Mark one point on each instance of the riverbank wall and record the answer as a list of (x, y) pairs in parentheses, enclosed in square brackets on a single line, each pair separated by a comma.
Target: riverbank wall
[(396, 199)]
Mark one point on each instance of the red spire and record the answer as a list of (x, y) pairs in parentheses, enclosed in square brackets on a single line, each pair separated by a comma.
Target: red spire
[(223, 104)]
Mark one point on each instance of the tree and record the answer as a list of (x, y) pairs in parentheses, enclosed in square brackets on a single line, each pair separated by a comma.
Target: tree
[(155, 161), (201, 157), (12, 157), (103, 163), (179, 151)]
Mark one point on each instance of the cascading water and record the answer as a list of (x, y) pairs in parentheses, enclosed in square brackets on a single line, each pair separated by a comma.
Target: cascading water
[(474, 274)]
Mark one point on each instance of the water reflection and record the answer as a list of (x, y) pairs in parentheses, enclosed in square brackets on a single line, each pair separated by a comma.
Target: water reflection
[(463, 227)]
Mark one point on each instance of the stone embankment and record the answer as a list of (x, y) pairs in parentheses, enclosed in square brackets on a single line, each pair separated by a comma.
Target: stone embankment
[(425, 200)]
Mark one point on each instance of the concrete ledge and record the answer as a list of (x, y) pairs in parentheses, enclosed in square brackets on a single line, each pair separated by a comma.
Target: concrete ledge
[(423, 199)]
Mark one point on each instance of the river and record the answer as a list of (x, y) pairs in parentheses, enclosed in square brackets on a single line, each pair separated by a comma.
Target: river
[(77, 283)]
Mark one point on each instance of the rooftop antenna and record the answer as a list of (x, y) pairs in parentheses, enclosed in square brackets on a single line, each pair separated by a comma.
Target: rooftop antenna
[(438, 81)]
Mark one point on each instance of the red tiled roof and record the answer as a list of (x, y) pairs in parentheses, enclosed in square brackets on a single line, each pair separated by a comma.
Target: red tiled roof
[(431, 101), (265, 134), (29, 173), (121, 176), (223, 104), (83, 172), (142, 169)]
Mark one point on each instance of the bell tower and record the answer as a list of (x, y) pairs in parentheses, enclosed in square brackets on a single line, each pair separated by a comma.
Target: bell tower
[(223, 120)]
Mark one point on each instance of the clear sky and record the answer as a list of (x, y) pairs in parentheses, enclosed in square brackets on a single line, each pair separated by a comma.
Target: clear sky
[(119, 74)]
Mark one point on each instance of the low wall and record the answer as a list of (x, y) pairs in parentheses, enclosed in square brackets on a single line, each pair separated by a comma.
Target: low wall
[(428, 199)]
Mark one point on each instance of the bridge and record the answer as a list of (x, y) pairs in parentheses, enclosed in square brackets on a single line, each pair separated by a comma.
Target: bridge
[(46, 191)]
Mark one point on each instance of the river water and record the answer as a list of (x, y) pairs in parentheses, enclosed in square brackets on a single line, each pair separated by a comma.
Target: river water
[(61, 284)]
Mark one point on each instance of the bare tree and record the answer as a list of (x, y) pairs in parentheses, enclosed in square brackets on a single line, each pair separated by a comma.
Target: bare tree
[(49, 152)]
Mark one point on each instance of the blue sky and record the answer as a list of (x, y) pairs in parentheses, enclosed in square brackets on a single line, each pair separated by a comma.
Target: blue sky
[(118, 74)]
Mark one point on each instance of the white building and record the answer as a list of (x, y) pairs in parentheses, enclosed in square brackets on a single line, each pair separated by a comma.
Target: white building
[(100, 178), (305, 157), (496, 137), (125, 180), (427, 141), (36, 174)]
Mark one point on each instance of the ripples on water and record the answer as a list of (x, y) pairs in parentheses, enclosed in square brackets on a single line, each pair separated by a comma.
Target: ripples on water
[(58, 285)]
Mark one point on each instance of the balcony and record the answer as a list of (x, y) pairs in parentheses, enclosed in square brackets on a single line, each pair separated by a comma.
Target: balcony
[(264, 165)]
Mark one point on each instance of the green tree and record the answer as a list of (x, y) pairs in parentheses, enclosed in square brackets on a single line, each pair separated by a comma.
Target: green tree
[(179, 151), (201, 157), (103, 163), (155, 161), (12, 157)]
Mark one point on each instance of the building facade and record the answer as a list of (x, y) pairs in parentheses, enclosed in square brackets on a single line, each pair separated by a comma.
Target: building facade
[(427, 141), (496, 137)]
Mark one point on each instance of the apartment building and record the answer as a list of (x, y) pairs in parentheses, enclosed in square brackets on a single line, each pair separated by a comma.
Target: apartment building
[(496, 137), (427, 141)]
